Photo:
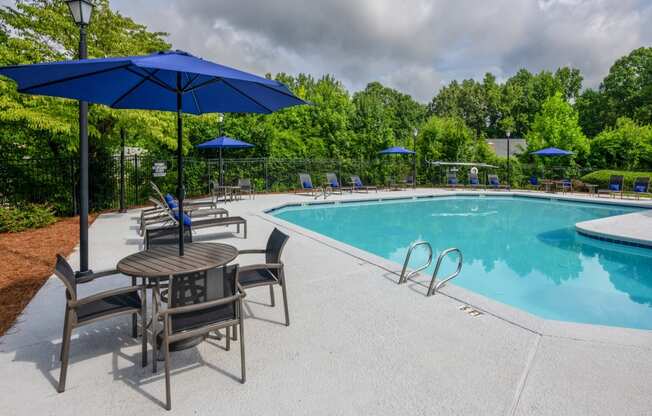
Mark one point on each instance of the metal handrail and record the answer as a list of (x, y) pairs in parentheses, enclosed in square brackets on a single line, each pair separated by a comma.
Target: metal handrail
[(414, 245), (434, 285)]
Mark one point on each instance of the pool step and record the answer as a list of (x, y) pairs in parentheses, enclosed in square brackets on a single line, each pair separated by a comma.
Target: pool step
[(434, 284)]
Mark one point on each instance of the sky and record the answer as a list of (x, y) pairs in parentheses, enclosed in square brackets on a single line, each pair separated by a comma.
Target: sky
[(415, 46)]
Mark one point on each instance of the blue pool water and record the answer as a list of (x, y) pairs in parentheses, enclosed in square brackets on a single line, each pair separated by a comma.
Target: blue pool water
[(524, 252)]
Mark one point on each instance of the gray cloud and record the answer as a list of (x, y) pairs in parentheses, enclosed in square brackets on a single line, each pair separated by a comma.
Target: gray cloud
[(412, 45)]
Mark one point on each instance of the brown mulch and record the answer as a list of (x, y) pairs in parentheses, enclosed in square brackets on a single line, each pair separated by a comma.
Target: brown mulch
[(27, 260)]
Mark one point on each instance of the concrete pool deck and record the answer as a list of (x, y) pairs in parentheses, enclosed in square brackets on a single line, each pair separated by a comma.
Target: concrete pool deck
[(358, 343)]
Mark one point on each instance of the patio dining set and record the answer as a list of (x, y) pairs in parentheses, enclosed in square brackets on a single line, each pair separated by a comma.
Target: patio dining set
[(194, 296)]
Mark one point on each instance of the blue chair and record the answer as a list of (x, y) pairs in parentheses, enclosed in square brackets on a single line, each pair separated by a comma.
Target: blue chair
[(566, 185), (305, 182), (494, 182), (451, 180), (474, 181), (334, 185), (615, 186), (534, 182), (641, 186)]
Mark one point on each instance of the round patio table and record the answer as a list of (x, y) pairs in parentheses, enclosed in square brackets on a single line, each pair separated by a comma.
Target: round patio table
[(159, 263)]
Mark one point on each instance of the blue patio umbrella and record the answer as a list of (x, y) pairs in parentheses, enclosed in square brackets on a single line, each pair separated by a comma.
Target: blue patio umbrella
[(396, 150), (224, 142), (552, 151), (166, 81)]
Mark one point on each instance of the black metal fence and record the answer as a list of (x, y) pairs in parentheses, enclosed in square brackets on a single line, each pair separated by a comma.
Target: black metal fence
[(55, 181)]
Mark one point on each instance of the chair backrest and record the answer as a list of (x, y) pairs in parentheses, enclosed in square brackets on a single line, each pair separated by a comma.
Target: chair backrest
[(473, 178), (198, 288), (493, 180), (331, 178), (305, 181), (451, 178), (275, 244), (157, 190), (244, 183), (67, 275), (616, 182), (534, 180), (409, 179), (641, 184), (356, 181)]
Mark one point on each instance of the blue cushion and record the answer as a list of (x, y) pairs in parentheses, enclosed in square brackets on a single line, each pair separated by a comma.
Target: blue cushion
[(452, 181), (494, 181), (186, 219), (307, 184), (169, 199), (358, 182), (334, 183), (639, 188), (614, 186), (534, 180), (475, 181)]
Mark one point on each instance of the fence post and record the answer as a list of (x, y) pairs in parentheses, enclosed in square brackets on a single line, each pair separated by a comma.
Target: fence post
[(266, 175), (123, 133), (136, 178), (73, 187)]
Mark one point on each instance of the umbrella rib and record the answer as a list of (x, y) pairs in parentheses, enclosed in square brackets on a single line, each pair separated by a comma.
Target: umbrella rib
[(190, 81), (192, 91), (203, 84), (248, 96), (154, 79), (281, 92), (132, 89), (72, 78)]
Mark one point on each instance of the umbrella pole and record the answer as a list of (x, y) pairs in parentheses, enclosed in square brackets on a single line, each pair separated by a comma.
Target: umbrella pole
[(221, 169), (180, 190)]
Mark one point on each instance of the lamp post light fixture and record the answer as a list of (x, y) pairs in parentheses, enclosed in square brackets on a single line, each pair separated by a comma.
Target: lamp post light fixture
[(81, 12), (415, 133)]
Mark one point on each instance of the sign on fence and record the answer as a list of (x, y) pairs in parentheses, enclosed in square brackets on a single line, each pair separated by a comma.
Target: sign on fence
[(159, 169)]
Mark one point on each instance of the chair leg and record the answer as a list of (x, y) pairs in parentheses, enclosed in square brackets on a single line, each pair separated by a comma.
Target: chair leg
[(234, 333), (271, 295), (65, 352), (228, 338), (143, 323), (285, 299), (166, 350), (134, 320), (242, 349), (63, 332)]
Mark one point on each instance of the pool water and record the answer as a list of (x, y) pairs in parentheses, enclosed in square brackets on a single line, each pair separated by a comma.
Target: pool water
[(524, 252)]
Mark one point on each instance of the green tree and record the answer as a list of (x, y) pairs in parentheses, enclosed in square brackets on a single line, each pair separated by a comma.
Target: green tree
[(446, 139), (557, 125), (626, 146)]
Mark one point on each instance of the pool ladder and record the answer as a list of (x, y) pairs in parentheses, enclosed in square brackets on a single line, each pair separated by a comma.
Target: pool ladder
[(434, 284)]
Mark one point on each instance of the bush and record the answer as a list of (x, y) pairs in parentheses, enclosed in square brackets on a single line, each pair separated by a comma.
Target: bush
[(601, 177), (25, 216)]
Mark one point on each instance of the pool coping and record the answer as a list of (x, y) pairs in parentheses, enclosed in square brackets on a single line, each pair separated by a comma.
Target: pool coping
[(486, 305)]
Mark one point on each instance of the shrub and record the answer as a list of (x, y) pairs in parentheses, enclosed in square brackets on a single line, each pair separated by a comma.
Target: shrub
[(601, 177), (25, 216)]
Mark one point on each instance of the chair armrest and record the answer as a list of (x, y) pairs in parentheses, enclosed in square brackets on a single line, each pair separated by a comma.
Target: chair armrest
[(260, 266), (97, 275), (199, 306), (242, 290), (105, 294), (252, 251)]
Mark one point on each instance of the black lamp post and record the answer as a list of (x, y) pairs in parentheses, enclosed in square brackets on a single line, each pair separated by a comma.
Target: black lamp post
[(81, 11), (509, 171), (415, 133)]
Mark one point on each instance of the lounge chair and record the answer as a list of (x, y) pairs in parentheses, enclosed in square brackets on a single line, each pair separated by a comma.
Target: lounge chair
[(533, 182), (161, 213), (474, 181), (305, 183), (615, 186), (494, 182), (199, 304), (187, 203), (270, 273), (246, 187), (97, 307), (566, 185), (409, 181), (641, 186), (357, 185), (333, 185), (451, 181)]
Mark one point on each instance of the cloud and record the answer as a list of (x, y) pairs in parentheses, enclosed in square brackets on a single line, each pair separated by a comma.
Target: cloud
[(412, 45)]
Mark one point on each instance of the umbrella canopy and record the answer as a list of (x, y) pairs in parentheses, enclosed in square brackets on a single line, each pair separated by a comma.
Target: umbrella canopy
[(396, 150), (551, 151), (224, 142), (165, 81)]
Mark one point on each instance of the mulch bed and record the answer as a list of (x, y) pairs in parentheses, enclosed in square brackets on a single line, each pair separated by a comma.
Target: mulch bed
[(27, 260)]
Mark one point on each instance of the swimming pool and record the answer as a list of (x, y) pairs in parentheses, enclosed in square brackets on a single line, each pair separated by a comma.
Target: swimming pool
[(521, 251)]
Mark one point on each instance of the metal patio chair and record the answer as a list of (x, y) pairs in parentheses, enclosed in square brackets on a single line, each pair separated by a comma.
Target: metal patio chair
[(358, 185), (246, 187), (197, 305), (615, 186), (94, 308), (270, 273)]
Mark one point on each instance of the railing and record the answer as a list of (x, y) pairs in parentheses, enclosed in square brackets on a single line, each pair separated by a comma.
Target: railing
[(434, 285), (404, 277)]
